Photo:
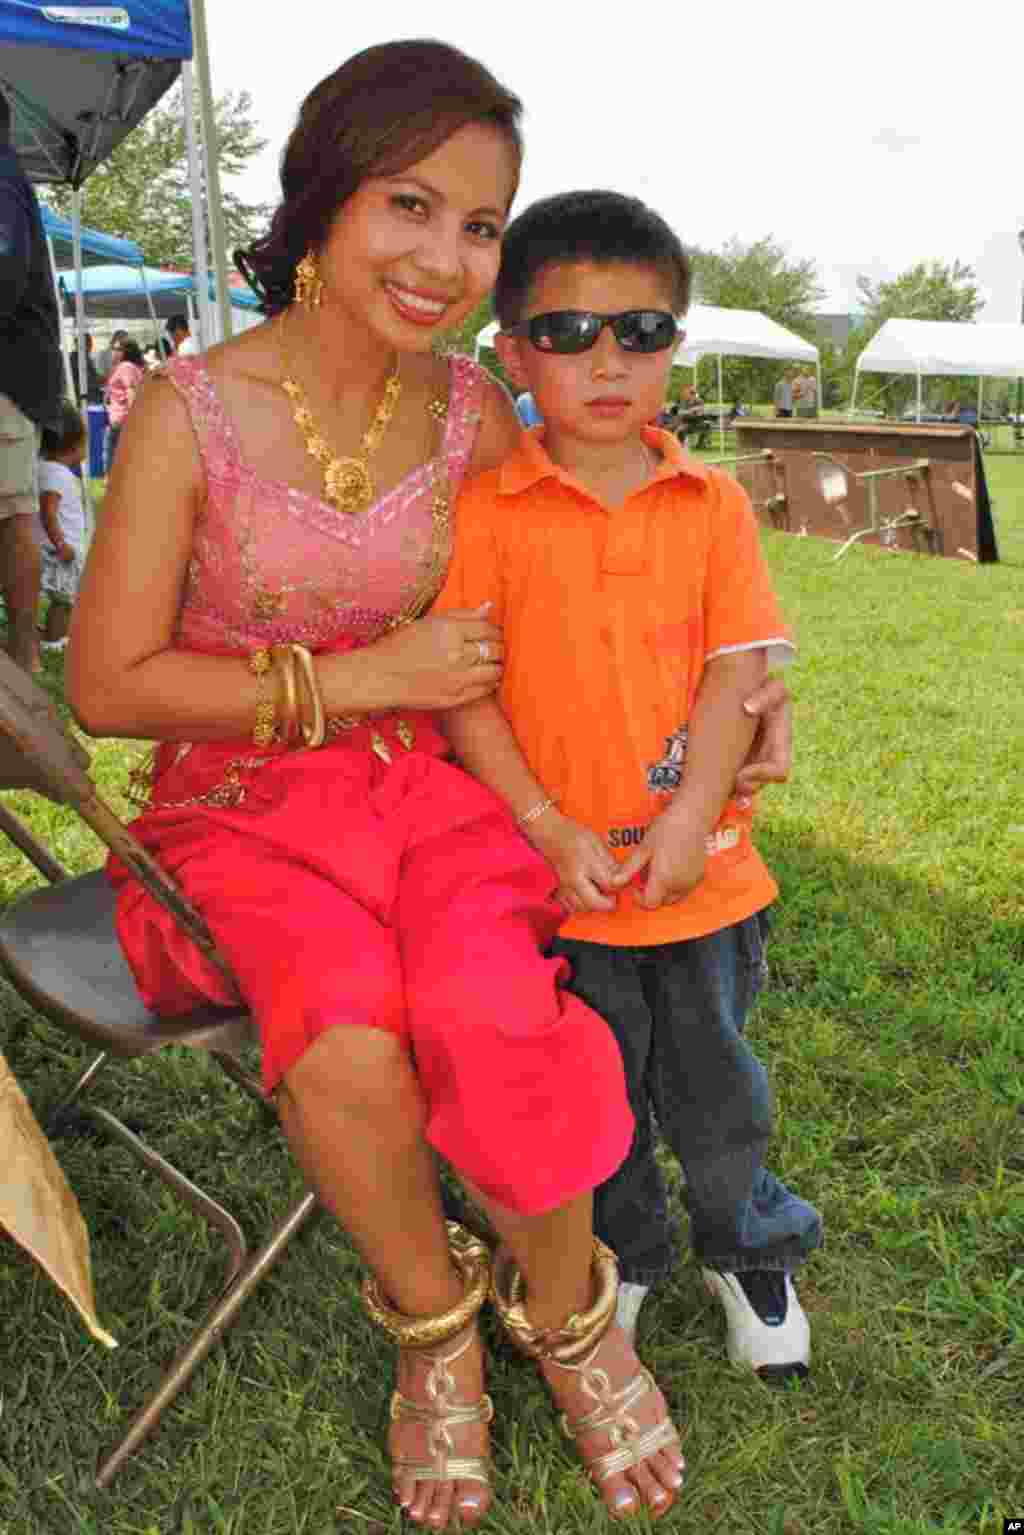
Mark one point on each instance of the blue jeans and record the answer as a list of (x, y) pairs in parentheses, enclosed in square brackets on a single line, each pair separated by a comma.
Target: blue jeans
[(110, 437), (678, 1011)]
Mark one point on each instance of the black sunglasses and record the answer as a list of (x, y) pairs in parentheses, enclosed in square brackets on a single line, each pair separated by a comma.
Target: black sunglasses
[(577, 330)]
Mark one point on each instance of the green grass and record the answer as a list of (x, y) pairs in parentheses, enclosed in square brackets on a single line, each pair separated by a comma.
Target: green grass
[(893, 1030)]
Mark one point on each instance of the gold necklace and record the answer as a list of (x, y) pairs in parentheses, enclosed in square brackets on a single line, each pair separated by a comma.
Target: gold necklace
[(348, 484)]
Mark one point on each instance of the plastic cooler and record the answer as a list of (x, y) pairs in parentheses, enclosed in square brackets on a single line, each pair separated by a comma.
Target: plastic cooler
[(97, 431)]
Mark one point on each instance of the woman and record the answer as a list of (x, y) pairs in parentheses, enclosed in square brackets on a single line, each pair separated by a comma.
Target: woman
[(128, 369), (267, 550)]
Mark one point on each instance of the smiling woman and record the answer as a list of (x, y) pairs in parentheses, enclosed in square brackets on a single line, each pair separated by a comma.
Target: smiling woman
[(277, 524)]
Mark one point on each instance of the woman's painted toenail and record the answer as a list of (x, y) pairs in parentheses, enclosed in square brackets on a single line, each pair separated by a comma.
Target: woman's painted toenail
[(624, 1498), (469, 1505), (659, 1497)]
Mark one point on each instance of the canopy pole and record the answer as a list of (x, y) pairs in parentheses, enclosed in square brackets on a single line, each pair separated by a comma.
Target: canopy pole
[(69, 377), (853, 397), (152, 311), (821, 397), (919, 396), (721, 410), (208, 131), (200, 264), (76, 245)]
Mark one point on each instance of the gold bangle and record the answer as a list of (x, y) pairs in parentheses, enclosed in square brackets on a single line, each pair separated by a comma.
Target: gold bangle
[(284, 666), (313, 733), (263, 731)]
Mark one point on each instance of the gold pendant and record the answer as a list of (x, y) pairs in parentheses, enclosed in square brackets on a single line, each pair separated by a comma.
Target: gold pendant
[(347, 485), (405, 733), (380, 746)]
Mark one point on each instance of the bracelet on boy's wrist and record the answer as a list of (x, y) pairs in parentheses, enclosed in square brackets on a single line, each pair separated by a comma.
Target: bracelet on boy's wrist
[(535, 811)]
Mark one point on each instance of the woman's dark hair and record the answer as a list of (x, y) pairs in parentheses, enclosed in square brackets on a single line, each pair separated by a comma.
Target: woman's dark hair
[(68, 431), (131, 351), (605, 228), (382, 111)]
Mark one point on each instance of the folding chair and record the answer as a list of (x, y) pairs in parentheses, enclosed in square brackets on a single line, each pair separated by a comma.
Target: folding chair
[(59, 948)]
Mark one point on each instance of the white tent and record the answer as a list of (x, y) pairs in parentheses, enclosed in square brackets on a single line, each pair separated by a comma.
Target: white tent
[(950, 347), (714, 332)]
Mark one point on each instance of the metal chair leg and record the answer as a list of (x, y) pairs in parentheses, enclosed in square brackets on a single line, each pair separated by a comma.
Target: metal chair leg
[(187, 1191), (55, 1116), (212, 1330)]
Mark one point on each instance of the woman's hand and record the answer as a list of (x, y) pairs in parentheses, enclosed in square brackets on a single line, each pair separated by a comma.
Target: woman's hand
[(771, 753), (438, 662), (585, 868)]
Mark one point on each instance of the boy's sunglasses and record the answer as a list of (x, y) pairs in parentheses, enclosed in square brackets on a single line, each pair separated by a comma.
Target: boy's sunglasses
[(577, 330)]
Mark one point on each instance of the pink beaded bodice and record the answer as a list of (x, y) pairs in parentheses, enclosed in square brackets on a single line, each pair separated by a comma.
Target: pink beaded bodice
[(272, 564)]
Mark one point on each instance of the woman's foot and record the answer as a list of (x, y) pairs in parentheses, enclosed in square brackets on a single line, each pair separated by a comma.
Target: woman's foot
[(589, 1391), (439, 1419)]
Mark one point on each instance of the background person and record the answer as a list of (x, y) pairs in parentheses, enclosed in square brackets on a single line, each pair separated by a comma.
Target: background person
[(103, 361), (783, 395), (93, 388), (181, 337), (31, 390), (119, 395), (62, 521)]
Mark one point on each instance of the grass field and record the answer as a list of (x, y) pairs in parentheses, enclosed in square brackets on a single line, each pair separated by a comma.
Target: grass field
[(893, 1029)]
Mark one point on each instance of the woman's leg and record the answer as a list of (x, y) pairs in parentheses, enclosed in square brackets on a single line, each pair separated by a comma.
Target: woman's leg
[(353, 1114), (554, 1252)]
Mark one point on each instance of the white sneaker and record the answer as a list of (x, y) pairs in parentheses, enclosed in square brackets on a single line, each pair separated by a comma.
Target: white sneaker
[(766, 1327), (627, 1307)]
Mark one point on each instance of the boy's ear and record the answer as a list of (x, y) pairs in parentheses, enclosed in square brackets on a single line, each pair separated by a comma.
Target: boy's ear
[(509, 350)]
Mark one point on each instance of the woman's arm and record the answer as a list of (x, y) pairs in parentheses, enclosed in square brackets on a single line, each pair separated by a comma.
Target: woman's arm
[(124, 678)]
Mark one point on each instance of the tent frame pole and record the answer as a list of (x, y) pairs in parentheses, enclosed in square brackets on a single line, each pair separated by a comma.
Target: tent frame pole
[(76, 245), (208, 133), (152, 310), (199, 255), (69, 377), (721, 410)]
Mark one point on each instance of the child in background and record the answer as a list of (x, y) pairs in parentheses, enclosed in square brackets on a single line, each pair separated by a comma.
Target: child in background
[(637, 616), (62, 516)]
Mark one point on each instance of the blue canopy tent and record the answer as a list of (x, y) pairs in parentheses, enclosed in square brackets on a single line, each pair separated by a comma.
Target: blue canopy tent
[(135, 292), (94, 249), (80, 76), (98, 249)]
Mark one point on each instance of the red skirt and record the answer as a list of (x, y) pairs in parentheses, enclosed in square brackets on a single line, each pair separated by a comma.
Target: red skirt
[(399, 896)]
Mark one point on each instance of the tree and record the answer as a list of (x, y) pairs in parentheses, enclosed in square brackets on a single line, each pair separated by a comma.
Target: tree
[(928, 290), (760, 276), (142, 191)]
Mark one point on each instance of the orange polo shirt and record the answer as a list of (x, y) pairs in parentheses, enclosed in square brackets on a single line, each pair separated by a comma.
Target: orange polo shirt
[(610, 615)]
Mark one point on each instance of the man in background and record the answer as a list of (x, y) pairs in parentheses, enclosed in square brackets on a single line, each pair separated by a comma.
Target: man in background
[(31, 391), (93, 387), (784, 394)]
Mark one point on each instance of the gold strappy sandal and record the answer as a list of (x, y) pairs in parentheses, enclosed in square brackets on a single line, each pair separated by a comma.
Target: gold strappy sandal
[(427, 1335), (573, 1347)]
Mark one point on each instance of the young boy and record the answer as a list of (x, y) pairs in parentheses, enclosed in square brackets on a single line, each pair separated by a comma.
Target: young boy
[(637, 616)]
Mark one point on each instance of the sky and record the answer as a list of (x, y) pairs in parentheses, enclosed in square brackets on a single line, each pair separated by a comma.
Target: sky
[(863, 137)]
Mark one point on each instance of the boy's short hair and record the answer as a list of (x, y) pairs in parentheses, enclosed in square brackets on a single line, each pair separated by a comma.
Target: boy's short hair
[(68, 431), (606, 228)]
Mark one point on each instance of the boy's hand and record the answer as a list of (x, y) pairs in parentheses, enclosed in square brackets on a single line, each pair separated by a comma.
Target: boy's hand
[(674, 854), (586, 869), (771, 752)]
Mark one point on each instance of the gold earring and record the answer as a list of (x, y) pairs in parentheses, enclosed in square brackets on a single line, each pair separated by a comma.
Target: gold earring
[(309, 285)]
